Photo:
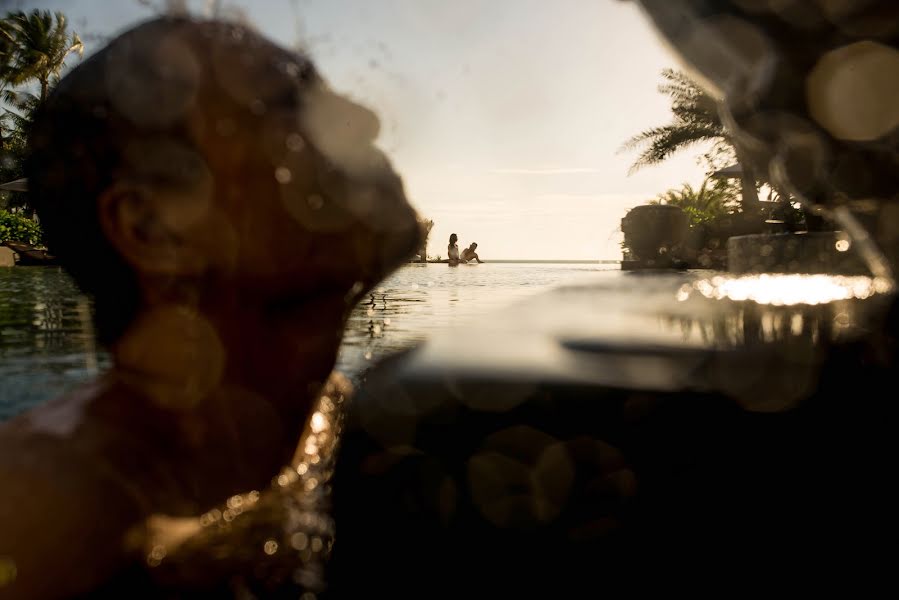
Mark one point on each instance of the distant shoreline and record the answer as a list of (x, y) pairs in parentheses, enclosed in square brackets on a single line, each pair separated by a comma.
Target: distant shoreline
[(541, 262)]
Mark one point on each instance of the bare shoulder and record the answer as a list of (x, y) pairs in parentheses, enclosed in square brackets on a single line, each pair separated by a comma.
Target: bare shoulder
[(62, 517)]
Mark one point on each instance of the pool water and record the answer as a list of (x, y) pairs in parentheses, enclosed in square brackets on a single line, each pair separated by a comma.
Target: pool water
[(47, 344)]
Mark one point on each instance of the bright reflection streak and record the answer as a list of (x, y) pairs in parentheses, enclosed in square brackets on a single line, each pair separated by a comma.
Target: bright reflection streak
[(787, 290), (318, 423), (289, 522)]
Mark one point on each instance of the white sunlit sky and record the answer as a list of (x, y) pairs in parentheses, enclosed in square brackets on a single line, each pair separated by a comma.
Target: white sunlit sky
[(504, 117)]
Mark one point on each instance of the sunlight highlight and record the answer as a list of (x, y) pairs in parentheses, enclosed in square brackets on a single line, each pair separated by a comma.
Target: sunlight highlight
[(787, 290)]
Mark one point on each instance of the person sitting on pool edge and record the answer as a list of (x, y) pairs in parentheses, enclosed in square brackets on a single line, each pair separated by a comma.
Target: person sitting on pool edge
[(187, 176), (452, 250), (469, 254)]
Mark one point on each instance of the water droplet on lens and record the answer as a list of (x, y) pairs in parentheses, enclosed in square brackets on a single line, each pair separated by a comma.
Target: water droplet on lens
[(257, 107), (295, 142), (318, 422), (283, 175)]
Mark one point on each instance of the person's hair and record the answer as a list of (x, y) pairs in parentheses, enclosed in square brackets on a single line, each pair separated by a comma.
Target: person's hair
[(453, 238), (92, 130)]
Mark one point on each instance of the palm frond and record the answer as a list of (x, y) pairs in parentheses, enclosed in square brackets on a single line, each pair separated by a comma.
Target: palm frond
[(23, 101), (696, 120), (708, 203), (39, 44), (662, 142)]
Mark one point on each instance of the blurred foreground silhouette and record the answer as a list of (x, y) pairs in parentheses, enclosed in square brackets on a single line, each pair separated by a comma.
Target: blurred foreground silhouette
[(225, 210), (689, 431)]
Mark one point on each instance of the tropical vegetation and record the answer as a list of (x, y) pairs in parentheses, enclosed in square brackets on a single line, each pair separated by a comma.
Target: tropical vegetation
[(37, 48), (34, 48), (721, 207), (425, 225), (696, 120), (16, 227), (712, 201)]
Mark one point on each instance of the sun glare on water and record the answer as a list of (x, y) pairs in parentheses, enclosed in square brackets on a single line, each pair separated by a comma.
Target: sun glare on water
[(787, 290)]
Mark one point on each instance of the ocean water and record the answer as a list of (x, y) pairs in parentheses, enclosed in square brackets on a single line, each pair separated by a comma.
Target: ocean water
[(47, 345)]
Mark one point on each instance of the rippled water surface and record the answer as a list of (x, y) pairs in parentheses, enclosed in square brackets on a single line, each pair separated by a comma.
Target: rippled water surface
[(46, 344)]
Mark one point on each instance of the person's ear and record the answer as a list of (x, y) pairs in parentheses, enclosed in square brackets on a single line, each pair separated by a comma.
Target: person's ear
[(133, 219)]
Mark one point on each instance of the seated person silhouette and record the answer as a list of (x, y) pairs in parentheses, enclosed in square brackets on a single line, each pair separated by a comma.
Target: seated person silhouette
[(187, 176), (469, 254), (452, 250)]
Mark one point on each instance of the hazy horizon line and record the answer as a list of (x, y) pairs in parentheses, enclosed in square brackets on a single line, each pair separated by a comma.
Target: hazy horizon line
[(607, 261)]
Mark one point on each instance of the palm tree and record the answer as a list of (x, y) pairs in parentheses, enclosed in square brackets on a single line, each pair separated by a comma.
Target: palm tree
[(7, 45), (41, 44), (705, 205), (14, 125), (33, 48), (696, 120), (425, 225)]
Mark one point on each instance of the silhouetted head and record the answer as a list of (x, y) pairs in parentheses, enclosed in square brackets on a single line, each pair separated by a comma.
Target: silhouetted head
[(453, 238), (197, 160), (473, 246)]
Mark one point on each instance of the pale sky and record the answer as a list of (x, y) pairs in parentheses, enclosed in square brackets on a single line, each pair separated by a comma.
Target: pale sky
[(504, 117)]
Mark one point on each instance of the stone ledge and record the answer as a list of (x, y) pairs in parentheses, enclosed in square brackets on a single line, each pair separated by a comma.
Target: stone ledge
[(815, 252), (7, 257)]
